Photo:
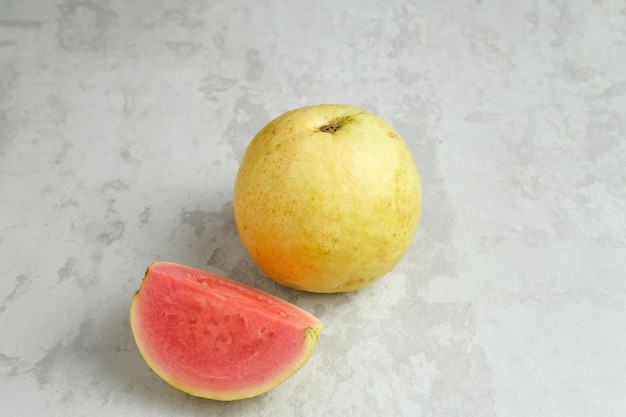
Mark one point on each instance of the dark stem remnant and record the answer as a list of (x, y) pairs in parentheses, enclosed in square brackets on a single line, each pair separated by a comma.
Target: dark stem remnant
[(330, 128)]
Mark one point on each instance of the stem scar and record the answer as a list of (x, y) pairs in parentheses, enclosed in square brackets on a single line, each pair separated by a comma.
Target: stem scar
[(330, 128)]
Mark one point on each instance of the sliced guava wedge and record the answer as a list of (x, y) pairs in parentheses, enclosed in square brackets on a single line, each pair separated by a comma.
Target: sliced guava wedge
[(216, 338)]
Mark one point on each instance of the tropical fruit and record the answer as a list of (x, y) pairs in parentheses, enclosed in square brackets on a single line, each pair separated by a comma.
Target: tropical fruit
[(327, 198), (213, 337)]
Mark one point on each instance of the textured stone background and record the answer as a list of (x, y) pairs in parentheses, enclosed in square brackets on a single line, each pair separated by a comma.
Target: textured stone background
[(121, 129)]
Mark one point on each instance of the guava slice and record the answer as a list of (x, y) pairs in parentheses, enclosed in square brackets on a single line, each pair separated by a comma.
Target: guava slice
[(213, 337)]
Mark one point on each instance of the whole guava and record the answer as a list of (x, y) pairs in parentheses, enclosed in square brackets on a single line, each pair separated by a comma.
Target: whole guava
[(327, 198)]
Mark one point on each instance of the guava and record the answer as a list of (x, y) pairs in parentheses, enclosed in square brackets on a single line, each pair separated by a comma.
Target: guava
[(327, 198), (216, 338)]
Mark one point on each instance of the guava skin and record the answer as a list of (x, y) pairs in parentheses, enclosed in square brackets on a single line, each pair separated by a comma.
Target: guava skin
[(327, 198)]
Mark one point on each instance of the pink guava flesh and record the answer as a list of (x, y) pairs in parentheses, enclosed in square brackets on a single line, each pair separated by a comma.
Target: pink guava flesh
[(213, 337)]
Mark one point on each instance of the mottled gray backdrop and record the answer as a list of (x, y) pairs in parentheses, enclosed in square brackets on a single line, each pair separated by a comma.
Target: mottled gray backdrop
[(122, 125)]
